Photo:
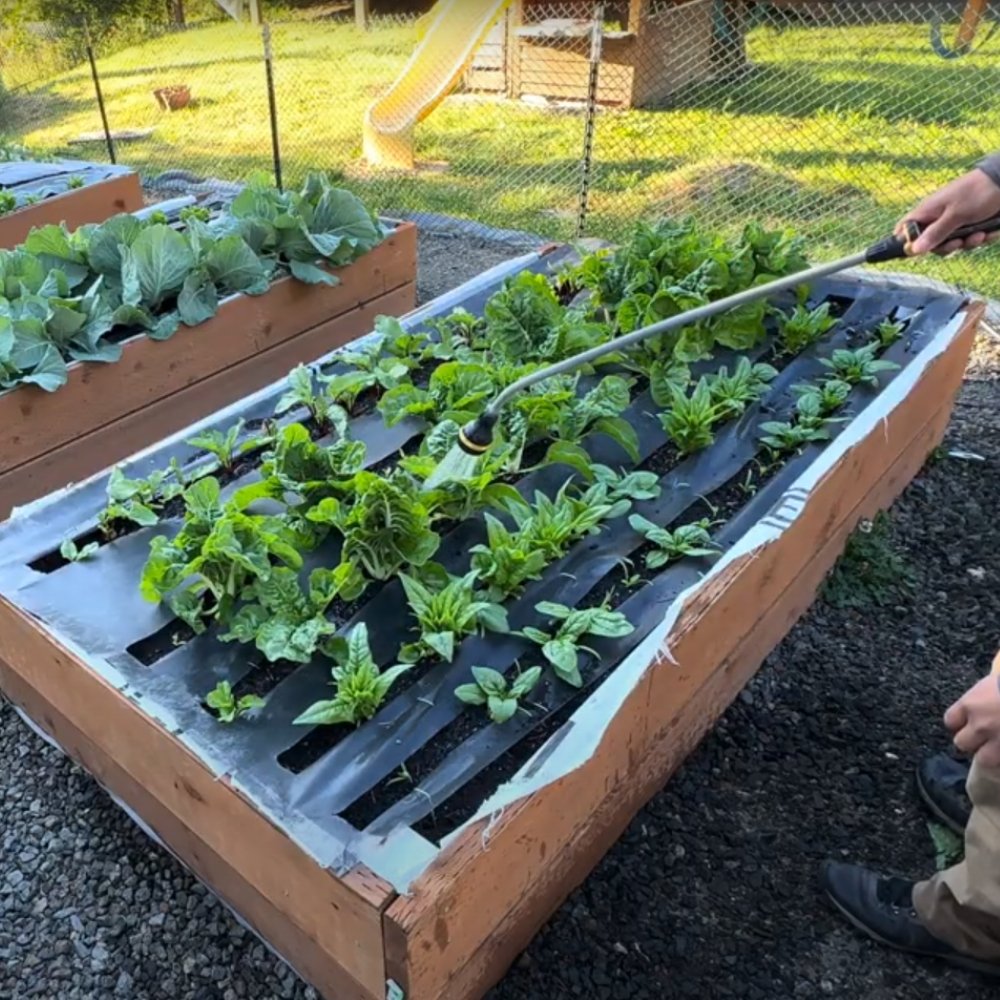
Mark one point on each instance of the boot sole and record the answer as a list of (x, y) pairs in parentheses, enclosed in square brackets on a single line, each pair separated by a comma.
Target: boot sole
[(990, 969), (938, 812)]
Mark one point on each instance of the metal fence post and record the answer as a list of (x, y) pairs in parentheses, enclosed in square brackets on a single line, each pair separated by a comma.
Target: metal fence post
[(272, 104), (97, 90), (593, 78)]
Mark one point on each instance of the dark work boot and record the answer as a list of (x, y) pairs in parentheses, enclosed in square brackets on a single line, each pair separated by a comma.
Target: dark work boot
[(882, 907), (941, 783)]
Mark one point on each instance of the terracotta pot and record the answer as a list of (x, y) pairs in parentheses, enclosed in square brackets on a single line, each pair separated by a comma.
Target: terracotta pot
[(173, 98)]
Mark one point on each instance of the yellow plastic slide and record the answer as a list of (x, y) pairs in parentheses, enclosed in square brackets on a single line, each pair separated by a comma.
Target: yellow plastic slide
[(455, 29)]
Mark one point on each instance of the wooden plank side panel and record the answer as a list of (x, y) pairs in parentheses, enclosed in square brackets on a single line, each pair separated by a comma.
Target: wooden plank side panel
[(93, 203), (36, 421), (442, 938), (342, 924), (268, 920), (90, 452)]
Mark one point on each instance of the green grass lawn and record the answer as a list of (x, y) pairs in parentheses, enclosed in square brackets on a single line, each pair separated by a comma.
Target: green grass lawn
[(837, 132)]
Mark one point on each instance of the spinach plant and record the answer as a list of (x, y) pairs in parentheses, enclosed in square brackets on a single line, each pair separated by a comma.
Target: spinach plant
[(686, 540), (690, 420), (361, 687), (803, 326), (447, 614), (562, 647), (733, 393), (888, 332), (860, 366), (501, 697)]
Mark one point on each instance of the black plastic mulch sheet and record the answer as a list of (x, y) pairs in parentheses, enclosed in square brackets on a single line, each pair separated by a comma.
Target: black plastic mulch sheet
[(25, 178), (96, 605)]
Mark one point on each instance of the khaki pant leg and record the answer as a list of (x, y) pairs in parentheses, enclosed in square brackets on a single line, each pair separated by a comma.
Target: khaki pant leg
[(961, 905)]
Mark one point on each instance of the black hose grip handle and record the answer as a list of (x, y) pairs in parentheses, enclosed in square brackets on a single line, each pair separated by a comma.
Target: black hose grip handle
[(896, 247)]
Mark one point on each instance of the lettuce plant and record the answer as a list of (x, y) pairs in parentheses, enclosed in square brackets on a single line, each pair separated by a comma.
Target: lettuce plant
[(360, 686), (218, 553), (386, 525), (227, 707), (501, 697), (283, 621)]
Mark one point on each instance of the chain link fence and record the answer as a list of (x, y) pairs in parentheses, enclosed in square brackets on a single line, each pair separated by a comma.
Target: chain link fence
[(555, 119)]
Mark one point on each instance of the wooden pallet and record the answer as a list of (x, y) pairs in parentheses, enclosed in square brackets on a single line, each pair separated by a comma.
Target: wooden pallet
[(109, 411), (107, 191), (455, 927)]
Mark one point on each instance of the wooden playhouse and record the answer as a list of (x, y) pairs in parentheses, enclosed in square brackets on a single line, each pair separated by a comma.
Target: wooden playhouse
[(650, 49)]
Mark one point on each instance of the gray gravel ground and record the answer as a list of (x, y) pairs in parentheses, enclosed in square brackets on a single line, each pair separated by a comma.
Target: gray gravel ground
[(710, 893)]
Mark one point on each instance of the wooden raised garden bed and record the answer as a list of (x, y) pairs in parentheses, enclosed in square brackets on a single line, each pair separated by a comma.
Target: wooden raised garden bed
[(73, 192), (107, 411), (429, 886)]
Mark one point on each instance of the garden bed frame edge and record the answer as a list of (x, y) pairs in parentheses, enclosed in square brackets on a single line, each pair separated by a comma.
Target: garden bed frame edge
[(76, 207)]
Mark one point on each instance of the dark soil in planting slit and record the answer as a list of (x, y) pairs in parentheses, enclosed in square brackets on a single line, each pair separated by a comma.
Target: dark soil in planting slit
[(264, 677), (154, 647), (398, 785)]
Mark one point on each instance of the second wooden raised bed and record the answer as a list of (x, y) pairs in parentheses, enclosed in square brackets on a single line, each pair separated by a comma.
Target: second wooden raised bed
[(73, 192), (109, 411), (384, 907)]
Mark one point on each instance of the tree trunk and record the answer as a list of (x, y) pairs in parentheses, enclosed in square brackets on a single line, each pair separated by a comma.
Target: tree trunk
[(175, 11)]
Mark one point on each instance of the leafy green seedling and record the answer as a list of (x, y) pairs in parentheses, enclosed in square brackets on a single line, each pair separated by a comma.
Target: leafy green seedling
[(686, 540), (74, 182), (781, 436), (689, 420), (302, 391), (447, 615), (733, 393), (360, 686), (802, 327), (197, 212), (858, 366), (888, 332), (227, 707), (226, 447), (830, 394), (492, 689), (72, 553), (562, 648), (139, 501), (7, 202)]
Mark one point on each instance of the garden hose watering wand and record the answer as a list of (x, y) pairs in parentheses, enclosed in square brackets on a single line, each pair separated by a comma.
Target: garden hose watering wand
[(476, 437)]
